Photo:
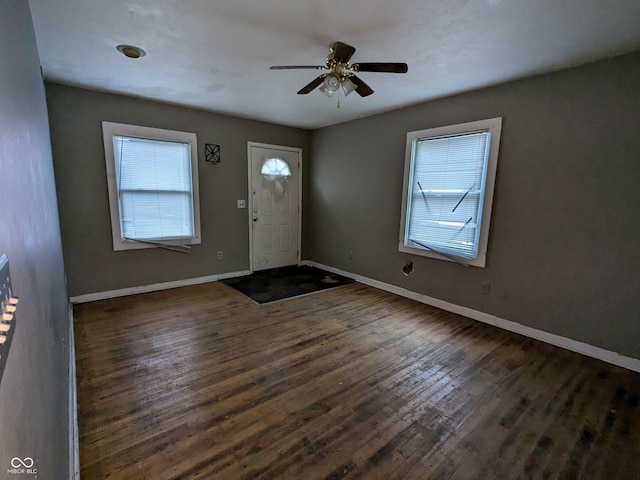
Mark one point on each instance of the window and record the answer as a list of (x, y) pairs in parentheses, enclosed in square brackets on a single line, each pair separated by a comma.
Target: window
[(275, 167), (152, 177), (448, 191)]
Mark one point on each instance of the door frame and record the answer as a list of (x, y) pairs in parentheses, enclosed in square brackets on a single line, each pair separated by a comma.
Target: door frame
[(297, 150)]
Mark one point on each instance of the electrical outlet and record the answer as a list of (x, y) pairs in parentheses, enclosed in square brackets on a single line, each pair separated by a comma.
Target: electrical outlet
[(220, 255), (350, 255), (485, 288)]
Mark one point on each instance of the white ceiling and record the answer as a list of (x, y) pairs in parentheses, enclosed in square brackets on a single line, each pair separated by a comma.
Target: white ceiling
[(215, 54)]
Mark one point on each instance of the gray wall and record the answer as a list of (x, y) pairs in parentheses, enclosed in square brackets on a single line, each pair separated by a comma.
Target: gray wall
[(34, 388), (76, 131), (563, 252)]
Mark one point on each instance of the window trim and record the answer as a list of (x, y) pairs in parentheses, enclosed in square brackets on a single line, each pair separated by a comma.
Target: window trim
[(494, 127), (110, 130)]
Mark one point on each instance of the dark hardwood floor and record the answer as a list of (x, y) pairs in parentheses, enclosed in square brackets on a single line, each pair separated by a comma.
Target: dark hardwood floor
[(354, 383)]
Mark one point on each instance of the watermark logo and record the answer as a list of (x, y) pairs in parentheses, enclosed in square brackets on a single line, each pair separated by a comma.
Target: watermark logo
[(22, 466)]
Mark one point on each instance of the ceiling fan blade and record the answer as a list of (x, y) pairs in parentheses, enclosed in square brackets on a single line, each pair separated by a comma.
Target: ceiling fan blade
[(363, 89), (342, 52), (311, 85), (380, 67), (293, 67)]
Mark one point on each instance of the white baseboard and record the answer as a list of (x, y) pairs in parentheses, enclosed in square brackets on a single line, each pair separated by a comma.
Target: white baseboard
[(92, 297), (74, 439), (550, 338)]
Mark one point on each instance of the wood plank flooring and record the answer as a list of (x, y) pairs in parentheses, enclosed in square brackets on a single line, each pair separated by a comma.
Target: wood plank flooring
[(350, 383)]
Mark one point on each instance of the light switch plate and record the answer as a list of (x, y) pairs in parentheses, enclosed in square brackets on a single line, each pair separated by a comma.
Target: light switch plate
[(242, 204)]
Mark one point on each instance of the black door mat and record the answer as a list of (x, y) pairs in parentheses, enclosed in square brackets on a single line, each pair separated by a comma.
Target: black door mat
[(279, 283)]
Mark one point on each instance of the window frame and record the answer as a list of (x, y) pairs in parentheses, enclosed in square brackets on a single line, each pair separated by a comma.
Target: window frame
[(111, 130), (493, 126)]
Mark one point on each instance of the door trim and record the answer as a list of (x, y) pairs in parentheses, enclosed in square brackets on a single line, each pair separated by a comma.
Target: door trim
[(250, 196)]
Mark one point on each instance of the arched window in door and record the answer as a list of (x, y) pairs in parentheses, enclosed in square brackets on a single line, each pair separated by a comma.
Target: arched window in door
[(276, 170), (275, 167)]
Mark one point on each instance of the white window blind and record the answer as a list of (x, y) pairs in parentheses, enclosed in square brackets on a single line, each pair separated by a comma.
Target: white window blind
[(448, 191), (155, 194), (446, 202)]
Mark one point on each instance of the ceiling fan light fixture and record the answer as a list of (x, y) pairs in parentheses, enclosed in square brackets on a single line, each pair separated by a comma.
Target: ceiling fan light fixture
[(341, 74), (326, 91), (332, 82), (348, 86)]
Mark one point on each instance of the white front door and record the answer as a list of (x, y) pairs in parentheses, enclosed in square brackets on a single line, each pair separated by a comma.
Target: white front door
[(274, 205)]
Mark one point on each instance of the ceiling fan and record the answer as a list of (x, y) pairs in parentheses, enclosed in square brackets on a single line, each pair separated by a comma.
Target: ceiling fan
[(341, 73)]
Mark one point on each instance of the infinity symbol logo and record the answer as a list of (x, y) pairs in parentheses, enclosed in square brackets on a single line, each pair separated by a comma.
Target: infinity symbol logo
[(27, 462)]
